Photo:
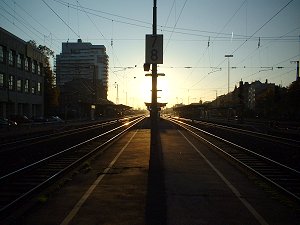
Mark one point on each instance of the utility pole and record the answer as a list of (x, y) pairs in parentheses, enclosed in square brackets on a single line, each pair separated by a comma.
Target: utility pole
[(297, 73), (228, 56), (117, 98), (154, 112), (154, 56)]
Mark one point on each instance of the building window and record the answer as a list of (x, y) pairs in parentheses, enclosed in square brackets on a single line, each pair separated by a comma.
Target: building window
[(11, 83), (11, 57), (26, 63), (39, 68), (2, 80), (33, 66), (19, 85), (1, 54), (39, 87), (26, 86), (19, 61), (33, 88)]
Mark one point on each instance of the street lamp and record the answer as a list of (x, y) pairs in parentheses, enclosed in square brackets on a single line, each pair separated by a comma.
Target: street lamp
[(117, 86), (228, 56)]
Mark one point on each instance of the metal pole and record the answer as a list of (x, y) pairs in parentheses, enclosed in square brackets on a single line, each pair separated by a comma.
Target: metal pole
[(228, 76), (117, 98), (117, 94), (154, 80), (228, 56), (297, 70)]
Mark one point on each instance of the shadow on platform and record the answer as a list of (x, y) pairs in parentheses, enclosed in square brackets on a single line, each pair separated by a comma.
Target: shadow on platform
[(156, 212)]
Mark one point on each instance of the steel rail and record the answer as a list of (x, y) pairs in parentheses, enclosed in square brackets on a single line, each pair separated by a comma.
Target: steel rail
[(282, 140), (67, 132), (67, 168), (258, 156)]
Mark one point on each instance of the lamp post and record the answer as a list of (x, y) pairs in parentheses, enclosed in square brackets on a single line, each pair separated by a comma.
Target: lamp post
[(117, 86), (228, 56)]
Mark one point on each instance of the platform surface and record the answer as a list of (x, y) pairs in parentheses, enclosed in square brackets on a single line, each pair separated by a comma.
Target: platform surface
[(198, 187)]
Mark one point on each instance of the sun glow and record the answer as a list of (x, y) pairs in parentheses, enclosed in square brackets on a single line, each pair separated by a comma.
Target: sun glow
[(146, 87)]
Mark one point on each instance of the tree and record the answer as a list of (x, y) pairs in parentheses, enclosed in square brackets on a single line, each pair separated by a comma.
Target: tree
[(293, 96), (51, 92)]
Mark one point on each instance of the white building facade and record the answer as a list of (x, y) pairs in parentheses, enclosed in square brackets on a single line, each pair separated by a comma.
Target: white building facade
[(82, 60)]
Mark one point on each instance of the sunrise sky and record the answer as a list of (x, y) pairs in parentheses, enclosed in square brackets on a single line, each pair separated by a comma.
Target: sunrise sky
[(262, 35)]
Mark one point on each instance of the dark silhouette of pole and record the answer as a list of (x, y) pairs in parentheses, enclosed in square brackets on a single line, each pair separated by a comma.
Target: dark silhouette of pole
[(228, 56), (297, 72), (154, 110)]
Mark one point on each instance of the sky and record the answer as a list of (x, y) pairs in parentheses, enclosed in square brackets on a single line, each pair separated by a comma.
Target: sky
[(262, 35)]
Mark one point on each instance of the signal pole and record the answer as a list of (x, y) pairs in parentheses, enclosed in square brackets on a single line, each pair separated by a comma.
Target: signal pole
[(228, 56), (154, 110), (154, 56), (297, 73)]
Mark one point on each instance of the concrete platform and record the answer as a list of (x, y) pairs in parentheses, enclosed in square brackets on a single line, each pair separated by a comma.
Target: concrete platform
[(203, 188), (118, 198), (180, 181)]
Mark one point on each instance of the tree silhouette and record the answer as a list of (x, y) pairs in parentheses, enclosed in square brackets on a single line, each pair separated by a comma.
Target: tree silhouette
[(51, 92)]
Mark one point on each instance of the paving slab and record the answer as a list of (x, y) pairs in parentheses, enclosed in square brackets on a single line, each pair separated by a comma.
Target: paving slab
[(197, 194), (175, 186)]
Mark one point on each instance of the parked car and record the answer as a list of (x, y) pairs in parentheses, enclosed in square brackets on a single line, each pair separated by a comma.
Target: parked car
[(19, 119), (4, 122), (39, 119), (55, 119)]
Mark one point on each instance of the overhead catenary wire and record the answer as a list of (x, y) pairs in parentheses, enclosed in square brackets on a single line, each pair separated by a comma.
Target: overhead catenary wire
[(23, 22), (267, 44), (280, 10), (263, 26), (38, 22), (261, 69), (198, 40), (212, 42), (177, 30), (61, 19), (167, 20), (175, 26)]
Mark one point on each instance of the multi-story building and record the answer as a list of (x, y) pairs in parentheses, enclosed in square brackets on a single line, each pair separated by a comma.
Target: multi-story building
[(82, 76), (21, 77), (256, 90), (82, 60)]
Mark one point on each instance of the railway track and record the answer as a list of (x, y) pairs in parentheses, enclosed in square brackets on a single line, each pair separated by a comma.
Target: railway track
[(279, 175), (26, 141), (282, 149), (19, 153), (281, 140), (25, 183)]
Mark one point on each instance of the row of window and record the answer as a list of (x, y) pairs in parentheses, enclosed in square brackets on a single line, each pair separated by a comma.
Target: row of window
[(19, 60), (14, 83)]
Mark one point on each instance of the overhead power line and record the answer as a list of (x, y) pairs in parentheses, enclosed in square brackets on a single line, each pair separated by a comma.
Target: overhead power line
[(263, 25), (61, 19), (175, 25), (18, 18), (164, 28)]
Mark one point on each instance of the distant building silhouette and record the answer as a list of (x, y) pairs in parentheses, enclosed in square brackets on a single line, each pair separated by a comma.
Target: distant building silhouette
[(256, 91), (82, 60), (82, 76)]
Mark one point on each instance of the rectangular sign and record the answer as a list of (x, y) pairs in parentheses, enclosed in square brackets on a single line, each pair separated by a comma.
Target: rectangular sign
[(154, 49)]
